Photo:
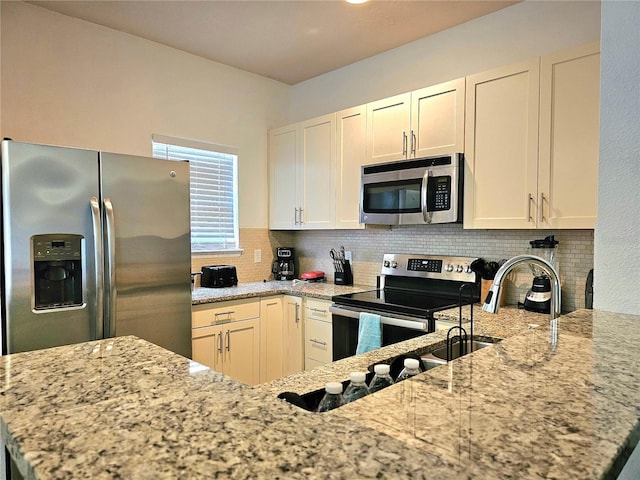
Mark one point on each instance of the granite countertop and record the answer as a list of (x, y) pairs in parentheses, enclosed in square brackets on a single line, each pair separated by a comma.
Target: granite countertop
[(322, 290), (519, 409)]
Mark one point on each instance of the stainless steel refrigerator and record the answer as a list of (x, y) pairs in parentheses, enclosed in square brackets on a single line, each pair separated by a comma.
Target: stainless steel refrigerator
[(94, 245)]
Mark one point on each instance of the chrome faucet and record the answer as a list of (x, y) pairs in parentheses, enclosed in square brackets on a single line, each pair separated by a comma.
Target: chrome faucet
[(491, 303)]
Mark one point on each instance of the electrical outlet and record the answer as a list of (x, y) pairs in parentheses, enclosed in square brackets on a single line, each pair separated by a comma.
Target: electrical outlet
[(257, 256), (347, 255)]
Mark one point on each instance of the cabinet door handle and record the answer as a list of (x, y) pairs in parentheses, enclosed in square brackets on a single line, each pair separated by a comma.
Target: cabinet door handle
[(228, 341), (542, 207), (295, 216), (301, 216), (297, 313), (404, 143), (414, 143), (529, 218), (220, 343)]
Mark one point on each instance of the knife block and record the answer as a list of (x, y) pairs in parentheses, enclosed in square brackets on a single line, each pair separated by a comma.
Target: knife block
[(345, 277)]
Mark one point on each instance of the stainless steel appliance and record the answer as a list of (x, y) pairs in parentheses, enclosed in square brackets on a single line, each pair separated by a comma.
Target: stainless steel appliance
[(218, 276), (94, 245), (284, 265), (412, 192), (412, 288)]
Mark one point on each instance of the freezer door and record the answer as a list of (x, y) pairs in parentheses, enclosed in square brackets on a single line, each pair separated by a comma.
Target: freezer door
[(49, 289), (147, 250)]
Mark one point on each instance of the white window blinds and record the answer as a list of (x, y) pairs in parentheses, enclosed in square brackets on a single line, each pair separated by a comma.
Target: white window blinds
[(214, 191)]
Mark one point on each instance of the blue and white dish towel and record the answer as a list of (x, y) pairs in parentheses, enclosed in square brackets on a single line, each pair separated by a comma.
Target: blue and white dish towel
[(369, 333)]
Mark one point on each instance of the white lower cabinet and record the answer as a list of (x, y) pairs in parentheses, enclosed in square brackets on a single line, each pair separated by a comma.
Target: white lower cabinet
[(226, 338), (272, 345), (293, 361), (318, 339)]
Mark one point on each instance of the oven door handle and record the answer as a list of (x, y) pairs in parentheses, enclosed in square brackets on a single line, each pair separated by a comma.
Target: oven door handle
[(393, 321)]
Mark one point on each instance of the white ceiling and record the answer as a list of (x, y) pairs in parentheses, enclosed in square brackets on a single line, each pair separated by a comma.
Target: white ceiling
[(290, 41)]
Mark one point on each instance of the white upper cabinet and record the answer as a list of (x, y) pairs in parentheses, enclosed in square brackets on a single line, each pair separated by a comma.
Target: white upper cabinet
[(437, 119), (317, 163), (426, 122), (501, 147), (569, 138), (351, 134), (301, 182), (283, 181), (388, 129), (314, 172), (532, 143)]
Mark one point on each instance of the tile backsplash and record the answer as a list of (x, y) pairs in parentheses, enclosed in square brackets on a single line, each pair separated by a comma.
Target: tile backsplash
[(575, 252)]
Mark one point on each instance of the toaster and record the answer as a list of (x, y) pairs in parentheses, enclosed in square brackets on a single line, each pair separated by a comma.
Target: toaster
[(218, 276)]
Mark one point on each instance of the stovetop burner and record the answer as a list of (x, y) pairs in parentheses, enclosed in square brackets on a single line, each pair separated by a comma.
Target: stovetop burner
[(406, 303), (418, 285)]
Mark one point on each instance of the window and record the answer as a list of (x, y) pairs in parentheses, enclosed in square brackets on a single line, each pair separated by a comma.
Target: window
[(214, 191)]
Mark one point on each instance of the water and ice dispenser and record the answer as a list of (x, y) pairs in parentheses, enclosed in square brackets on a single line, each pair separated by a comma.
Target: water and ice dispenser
[(57, 271)]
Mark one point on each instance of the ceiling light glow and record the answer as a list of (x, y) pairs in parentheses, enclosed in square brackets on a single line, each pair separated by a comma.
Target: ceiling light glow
[(356, 2)]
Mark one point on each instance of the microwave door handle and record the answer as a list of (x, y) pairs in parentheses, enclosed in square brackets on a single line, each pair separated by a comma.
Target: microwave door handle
[(426, 214)]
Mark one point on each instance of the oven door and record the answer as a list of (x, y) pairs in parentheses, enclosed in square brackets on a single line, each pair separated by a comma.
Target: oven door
[(345, 323)]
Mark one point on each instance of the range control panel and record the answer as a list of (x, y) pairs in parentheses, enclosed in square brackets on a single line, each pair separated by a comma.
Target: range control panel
[(428, 266)]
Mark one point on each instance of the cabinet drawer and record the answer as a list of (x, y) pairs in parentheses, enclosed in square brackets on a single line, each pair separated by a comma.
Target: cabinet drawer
[(224, 312), (317, 310), (318, 340)]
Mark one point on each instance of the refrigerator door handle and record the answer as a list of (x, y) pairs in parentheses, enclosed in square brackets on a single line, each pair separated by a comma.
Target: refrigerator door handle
[(98, 259), (110, 274)]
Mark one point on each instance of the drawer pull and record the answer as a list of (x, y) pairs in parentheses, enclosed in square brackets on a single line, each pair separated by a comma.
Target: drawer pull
[(319, 310), (220, 314), (313, 340)]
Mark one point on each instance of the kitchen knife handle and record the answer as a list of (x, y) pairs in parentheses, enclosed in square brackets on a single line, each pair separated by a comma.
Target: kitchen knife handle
[(99, 272), (110, 272)]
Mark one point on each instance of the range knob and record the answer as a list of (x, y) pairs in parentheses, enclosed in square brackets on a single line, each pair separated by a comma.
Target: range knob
[(449, 268), (459, 269), (394, 264), (467, 269), (385, 263)]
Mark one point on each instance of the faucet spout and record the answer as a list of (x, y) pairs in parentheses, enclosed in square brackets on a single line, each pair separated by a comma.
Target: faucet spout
[(492, 304)]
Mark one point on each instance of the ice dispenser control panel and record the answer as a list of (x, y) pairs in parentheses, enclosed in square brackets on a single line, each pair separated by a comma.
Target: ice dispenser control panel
[(57, 271)]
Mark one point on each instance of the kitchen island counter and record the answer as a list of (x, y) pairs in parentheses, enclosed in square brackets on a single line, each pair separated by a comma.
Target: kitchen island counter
[(524, 408)]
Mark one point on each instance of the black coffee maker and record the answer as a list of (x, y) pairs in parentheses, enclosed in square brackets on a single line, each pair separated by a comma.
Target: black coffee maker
[(283, 268)]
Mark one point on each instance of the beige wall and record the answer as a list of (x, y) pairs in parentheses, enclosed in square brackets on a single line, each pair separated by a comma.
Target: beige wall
[(70, 82), (519, 32), (248, 269)]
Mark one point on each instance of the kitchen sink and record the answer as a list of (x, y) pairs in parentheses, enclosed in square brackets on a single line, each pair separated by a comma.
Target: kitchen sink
[(438, 356), (430, 363)]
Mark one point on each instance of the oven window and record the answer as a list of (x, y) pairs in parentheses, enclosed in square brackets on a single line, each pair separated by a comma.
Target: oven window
[(401, 196)]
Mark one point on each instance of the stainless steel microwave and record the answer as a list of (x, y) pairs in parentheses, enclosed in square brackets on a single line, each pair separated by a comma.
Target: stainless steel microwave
[(412, 192)]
